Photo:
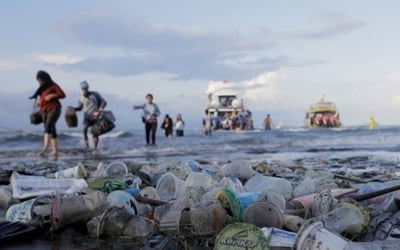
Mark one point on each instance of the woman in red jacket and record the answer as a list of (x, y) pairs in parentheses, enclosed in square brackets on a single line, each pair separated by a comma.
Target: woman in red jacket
[(49, 94)]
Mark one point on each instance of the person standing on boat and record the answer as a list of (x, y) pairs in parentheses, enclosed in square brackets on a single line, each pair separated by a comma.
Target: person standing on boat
[(179, 126), (267, 123), (49, 94), (372, 124), (150, 114), (168, 126), (92, 104)]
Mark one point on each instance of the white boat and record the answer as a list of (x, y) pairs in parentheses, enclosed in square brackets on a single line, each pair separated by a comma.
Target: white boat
[(227, 112)]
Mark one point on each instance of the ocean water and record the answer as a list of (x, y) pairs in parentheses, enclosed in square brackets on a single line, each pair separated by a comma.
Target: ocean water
[(289, 143), (354, 149)]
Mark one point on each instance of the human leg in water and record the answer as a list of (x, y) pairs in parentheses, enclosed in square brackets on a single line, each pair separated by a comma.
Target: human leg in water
[(153, 133), (85, 133), (147, 128), (46, 143), (95, 142), (54, 148), (50, 129)]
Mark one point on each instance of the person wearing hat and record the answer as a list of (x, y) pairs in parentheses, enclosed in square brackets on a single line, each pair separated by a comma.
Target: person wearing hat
[(92, 104)]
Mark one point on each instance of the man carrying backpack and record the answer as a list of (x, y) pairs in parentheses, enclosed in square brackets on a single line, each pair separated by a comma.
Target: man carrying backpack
[(92, 104)]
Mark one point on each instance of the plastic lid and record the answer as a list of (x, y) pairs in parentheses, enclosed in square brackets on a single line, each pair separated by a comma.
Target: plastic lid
[(240, 236)]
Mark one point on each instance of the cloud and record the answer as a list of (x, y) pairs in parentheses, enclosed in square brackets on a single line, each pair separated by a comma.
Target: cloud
[(260, 90), (58, 59), (184, 53), (10, 65), (332, 24)]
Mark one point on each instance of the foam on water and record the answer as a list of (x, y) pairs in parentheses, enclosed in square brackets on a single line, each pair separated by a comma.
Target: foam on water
[(222, 143)]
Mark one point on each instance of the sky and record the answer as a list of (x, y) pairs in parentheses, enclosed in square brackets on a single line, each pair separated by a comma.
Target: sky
[(281, 56)]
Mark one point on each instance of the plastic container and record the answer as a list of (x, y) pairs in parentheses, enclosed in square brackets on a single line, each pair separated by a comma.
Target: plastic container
[(66, 210), (200, 180), (279, 239), (236, 202), (324, 202), (150, 192), (116, 169), (78, 171), (274, 198), (71, 118), (27, 188), (305, 187), (169, 187), (263, 214), (382, 201), (308, 200), (126, 200), (316, 236), (233, 183), (34, 212), (120, 222), (348, 217), (260, 183), (241, 236), (207, 218)]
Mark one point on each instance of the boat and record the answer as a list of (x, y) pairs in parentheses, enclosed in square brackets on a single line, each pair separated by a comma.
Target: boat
[(227, 112), (323, 114)]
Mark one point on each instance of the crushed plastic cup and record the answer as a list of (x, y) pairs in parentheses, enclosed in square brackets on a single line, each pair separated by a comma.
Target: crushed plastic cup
[(120, 222), (150, 192), (116, 169), (238, 169), (233, 183), (307, 201), (33, 211), (292, 222), (260, 183), (236, 202), (169, 187), (174, 220), (348, 217), (6, 197), (316, 236), (207, 218), (66, 210), (324, 202), (383, 202), (274, 198), (126, 200), (132, 181), (263, 214), (305, 187), (79, 171), (33, 187), (200, 180)]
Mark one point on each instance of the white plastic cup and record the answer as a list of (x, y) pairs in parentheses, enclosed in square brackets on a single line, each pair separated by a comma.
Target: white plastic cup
[(260, 183), (199, 180), (169, 187), (316, 236)]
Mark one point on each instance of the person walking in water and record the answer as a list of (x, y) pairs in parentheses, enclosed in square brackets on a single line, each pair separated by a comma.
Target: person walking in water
[(372, 124), (49, 94), (267, 123), (92, 104), (150, 113), (168, 126), (207, 124), (179, 126)]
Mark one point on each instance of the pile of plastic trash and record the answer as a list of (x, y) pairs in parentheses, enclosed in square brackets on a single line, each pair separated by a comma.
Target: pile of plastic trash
[(203, 206)]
